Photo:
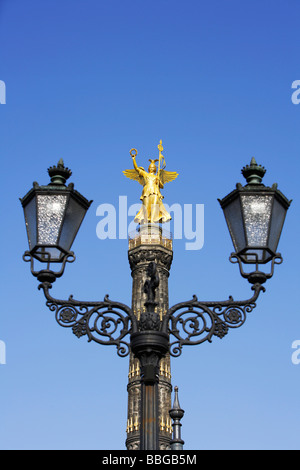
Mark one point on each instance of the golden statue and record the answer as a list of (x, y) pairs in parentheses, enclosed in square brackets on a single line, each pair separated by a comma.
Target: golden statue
[(153, 210)]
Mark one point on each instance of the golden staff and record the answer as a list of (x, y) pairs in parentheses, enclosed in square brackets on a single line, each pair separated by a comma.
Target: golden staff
[(161, 157)]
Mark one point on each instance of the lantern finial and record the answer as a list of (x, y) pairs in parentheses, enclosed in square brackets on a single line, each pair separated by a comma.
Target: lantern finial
[(253, 173), (59, 173)]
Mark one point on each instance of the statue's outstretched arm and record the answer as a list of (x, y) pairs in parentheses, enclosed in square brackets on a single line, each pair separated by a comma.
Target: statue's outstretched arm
[(135, 164), (140, 170)]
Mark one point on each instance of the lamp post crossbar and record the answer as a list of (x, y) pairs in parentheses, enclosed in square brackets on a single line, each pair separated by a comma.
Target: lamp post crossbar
[(192, 322)]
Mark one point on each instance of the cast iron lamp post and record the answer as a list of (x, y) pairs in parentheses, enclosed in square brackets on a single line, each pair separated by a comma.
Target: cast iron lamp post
[(255, 216)]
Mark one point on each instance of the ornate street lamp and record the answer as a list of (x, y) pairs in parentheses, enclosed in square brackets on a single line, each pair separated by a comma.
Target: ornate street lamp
[(255, 215), (53, 215)]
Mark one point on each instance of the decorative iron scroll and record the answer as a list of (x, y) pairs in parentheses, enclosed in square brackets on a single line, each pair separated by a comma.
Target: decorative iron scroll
[(195, 322), (105, 322), (190, 323)]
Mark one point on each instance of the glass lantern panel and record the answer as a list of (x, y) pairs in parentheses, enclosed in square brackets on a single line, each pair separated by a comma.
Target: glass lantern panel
[(51, 210), (30, 220), (234, 218), (73, 217), (257, 215), (278, 217)]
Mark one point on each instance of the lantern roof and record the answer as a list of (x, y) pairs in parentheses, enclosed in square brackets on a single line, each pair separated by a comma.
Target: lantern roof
[(59, 175), (254, 174)]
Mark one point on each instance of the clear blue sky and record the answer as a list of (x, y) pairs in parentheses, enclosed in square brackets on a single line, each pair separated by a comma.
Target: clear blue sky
[(87, 81)]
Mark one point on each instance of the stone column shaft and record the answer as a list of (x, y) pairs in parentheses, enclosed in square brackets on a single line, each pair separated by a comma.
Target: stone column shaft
[(142, 250)]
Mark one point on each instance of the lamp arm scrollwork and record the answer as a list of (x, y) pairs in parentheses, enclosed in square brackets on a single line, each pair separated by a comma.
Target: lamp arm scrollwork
[(190, 323), (107, 322), (194, 322)]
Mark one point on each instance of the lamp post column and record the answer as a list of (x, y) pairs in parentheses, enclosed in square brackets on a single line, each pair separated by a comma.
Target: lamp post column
[(149, 347)]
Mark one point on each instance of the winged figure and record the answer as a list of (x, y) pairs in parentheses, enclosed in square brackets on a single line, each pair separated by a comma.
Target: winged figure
[(153, 180)]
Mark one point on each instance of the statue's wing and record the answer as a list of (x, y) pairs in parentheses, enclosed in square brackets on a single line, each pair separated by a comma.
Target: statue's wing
[(167, 176), (134, 175)]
